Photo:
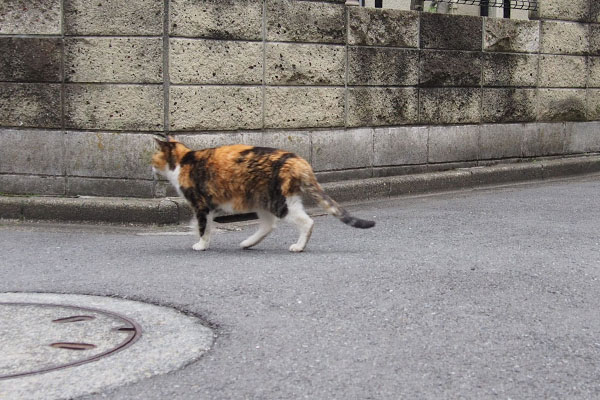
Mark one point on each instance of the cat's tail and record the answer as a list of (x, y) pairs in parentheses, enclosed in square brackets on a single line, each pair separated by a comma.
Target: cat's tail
[(314, 190)]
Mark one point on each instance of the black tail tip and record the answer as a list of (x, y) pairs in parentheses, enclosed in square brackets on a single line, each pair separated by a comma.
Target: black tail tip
[(363, 224), (357, 222)]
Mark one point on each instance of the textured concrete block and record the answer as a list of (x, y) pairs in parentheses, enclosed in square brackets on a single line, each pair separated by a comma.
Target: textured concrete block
[(583, 137), (342, 149), (33, 17), (113, 17), (594, 11), (572, 10), (341, 175), (218, 19), (450, 68), (114, 107), (509, 105), (593, 104), (30, 59), (451, 32), (378, 27), (379, 66), (30, 105), (301, 21), (453, 143), (595, 39), (305, 64), (214, 108), (545, 140), (77, 186), (164, 188), (380, 172), (502, 140), (304, 107), (506, 35), (296, 142), (215, 61), (501, 69), (450, 105), (31, 152), (561, 105), (369, 106), (594, 72), (400, 145), (562, 71), (564, 38), (114, 155), (209, 140), (120, 60), (31, 184)]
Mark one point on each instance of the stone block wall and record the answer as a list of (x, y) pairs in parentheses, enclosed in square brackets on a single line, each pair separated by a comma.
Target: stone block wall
[(358, 92)]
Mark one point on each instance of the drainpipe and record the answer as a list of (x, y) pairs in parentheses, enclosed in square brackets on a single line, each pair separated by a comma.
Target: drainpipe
[(484, 8)]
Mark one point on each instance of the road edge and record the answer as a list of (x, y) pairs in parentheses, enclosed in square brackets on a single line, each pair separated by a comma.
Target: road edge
[(166, 211)]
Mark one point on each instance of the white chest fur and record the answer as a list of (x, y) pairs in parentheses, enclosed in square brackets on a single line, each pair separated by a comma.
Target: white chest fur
[(173, 177)]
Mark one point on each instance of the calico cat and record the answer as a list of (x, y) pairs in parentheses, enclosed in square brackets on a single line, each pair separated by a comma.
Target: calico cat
[(241, 178)]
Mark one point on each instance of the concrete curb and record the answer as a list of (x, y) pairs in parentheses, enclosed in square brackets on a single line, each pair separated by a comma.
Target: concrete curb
[(174, 211)]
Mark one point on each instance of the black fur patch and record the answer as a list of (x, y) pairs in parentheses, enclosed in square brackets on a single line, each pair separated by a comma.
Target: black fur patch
[(259, 151), (278, 205), (198, 194), (202, 220), (189, 158), (171, 160)]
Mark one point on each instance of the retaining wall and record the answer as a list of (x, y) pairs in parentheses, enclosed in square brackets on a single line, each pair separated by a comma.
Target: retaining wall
[(358, 92)]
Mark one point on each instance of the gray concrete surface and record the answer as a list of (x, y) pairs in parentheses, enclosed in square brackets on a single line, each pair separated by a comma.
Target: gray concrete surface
[(479, 294)]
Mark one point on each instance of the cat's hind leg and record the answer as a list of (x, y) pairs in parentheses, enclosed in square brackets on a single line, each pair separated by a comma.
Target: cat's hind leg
[(300, 218), (267, 223), (204, 219)]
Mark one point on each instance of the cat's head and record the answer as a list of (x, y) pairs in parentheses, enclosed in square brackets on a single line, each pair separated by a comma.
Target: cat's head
[(168, 155)]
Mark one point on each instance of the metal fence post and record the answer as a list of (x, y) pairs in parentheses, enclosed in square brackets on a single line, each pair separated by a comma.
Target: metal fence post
[(485, 8)]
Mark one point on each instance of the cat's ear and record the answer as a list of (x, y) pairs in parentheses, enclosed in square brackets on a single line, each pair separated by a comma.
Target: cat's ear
[(161, 142), (171, 139)]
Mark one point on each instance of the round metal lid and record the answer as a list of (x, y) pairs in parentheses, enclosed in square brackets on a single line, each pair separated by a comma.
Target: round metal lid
[(38, 337)]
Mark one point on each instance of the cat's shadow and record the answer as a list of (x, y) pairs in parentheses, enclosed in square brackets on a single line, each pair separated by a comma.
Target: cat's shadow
[(250, 253)]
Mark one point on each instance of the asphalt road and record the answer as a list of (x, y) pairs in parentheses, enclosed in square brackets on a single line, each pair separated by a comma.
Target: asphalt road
[(480, 295)]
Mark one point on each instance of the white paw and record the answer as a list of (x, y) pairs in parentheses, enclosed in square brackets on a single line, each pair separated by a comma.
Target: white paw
[(246, 244), (296, 248), (200, 246)]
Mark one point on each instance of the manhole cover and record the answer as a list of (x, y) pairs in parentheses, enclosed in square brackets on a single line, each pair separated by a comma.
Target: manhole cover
[(64, 346), (46, 337)]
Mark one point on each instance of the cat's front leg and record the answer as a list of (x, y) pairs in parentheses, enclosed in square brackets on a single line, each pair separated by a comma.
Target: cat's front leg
[(204, 219)]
